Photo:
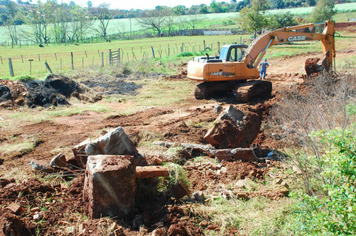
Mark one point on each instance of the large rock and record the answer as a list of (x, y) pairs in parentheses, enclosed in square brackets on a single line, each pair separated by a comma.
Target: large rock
[(234, 128), (109, 187), (115, 142)]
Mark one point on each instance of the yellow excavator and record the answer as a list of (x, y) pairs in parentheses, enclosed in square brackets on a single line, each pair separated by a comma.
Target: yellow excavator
[(236, 68)]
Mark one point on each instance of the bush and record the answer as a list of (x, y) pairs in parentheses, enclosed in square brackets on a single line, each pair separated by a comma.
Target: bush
[(334, 212)]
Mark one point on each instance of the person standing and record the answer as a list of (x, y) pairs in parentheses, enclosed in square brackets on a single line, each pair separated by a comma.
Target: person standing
[(263, 69)]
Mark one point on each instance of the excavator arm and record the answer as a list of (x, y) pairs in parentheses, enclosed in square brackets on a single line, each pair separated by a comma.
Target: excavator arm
[(259, 46)]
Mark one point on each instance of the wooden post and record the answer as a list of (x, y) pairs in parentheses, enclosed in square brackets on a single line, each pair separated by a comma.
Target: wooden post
[(153, 52), (1, 59), (39, 57), (204, 44), (86, 56), (55, 55), (118, 55), (182, 48), (22, 58), (102, 59), (72, 60), (110, 57), (169, 51), (11, 68), (219, 48), (30, 60), (48, 68)]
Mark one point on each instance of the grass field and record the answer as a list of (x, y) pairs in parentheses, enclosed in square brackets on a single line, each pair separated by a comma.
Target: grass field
[(89, 55)]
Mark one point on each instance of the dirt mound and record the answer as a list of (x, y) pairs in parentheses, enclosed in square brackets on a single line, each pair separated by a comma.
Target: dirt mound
[(54, 91)]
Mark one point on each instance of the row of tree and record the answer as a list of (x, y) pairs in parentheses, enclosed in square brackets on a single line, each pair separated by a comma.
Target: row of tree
[(63, 23)]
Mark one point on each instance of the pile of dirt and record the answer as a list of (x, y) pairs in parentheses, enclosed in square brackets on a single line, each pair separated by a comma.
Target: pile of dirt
[(53, 91)]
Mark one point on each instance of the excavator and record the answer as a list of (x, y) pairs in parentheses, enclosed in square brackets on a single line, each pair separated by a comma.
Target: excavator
[(236, 68)]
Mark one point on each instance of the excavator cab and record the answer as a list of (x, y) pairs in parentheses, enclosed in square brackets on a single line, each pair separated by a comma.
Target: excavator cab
[(234, 52)]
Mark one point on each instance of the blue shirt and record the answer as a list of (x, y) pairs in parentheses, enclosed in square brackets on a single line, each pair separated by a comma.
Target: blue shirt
[(264, 65)]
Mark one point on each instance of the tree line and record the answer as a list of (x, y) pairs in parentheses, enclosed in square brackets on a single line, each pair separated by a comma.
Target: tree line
[(66, 23)]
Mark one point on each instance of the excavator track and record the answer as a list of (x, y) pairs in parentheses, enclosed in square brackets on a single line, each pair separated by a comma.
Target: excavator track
[(245, 91), (252, 89)]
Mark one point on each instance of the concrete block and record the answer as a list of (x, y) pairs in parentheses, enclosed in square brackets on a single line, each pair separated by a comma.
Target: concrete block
[(109, 187)]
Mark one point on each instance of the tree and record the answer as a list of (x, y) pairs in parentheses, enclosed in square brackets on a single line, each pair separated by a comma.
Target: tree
[(252, 18), (179, 10), (103, 15), (282, 20), (324, 10), (155, 19)]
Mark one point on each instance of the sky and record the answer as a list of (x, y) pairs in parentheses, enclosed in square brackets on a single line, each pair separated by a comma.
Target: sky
[(140, 4)]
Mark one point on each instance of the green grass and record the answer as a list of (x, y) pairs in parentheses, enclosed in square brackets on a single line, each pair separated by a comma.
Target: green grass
[(21, 146)]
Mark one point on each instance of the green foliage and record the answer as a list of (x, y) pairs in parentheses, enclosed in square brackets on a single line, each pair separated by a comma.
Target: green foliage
[(282, 20), (324, 10), (24, 78), (251, 19), (351, 109), (333, 210)]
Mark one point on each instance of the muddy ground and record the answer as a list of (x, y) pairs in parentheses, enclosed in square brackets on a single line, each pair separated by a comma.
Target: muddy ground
[(54, 206)]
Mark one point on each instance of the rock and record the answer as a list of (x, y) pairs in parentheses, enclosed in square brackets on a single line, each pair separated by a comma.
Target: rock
[(160, 232), (15, 208), (177, 229), (40, 165), (58, 161), (204, 224), (115, 142), (199, 196), (234, 128), (244, 154), (180, 190), (109, 186), (217, 109), (212, 226), (80, 154)]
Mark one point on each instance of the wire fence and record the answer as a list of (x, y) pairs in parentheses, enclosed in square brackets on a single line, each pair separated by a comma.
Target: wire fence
[(63, 61)]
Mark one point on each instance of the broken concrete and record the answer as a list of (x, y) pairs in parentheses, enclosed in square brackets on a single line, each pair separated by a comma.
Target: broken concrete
[(109, 186)]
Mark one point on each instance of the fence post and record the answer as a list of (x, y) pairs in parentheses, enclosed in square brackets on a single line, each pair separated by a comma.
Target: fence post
[(118, 55), (30, 60), (204, 44), (153, 52), (110, 57), (55, 55), (102, 59), (11, 68), (39, 57), (219, 48), (71, 60), (48, 68), (1, 59), (22, 58)]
